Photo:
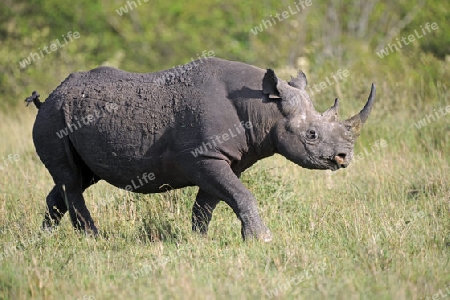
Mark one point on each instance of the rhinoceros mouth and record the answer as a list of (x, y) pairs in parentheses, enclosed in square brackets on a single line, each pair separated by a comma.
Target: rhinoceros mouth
[(328, 163), (334, 166)]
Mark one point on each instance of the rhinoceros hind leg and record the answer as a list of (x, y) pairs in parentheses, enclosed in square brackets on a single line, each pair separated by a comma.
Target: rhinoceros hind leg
[(71, 177), (79, 214), (56, 204), (56, 208)]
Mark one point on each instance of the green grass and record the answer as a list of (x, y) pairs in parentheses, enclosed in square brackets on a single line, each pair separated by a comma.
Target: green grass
[(377, 230)]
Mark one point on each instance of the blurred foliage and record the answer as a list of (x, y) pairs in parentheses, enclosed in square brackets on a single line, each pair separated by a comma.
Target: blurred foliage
[(155, 35)]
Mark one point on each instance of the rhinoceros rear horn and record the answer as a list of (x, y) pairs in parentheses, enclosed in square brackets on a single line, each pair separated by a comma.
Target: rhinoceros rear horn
[(332, 114), (356, 122)]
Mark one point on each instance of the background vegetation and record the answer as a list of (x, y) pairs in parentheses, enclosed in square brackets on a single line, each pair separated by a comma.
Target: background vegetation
[(381, 227)]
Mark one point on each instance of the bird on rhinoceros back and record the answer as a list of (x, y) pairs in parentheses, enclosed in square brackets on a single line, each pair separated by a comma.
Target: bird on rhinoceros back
[(139, 132)]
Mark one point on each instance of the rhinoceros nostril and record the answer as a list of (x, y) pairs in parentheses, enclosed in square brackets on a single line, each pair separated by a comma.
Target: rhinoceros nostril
[(340, 159), (342, 155)]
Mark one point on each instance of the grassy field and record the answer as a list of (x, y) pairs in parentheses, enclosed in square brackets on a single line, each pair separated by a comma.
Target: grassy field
[(377, 230)]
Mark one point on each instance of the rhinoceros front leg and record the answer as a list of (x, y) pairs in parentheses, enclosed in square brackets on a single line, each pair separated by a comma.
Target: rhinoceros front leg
[(202, 211), (216, 178)]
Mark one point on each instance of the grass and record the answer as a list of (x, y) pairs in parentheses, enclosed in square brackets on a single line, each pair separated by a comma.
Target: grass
[(377, 230)]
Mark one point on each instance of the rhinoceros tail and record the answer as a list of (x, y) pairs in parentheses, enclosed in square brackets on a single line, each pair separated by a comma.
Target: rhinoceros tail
[(35, 99)]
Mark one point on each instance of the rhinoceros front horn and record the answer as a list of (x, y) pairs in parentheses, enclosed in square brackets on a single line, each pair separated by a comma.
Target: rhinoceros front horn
[(356, 122)]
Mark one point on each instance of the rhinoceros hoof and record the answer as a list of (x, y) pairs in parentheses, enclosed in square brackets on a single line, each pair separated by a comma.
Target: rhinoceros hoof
[(263, 236), (266, 237)]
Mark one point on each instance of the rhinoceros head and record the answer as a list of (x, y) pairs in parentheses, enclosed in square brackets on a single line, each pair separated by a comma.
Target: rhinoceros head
[(307, 137)]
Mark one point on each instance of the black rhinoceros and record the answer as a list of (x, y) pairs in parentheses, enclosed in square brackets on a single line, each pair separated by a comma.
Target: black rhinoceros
[(201, 126)]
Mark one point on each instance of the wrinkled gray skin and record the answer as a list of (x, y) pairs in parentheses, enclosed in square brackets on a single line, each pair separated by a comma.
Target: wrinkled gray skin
[(161, 117)]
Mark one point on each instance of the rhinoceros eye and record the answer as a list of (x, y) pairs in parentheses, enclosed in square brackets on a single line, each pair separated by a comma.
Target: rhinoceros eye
[(312, 135)]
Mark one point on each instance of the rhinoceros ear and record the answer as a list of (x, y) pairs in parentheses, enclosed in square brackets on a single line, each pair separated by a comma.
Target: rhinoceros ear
[(300, 82), (270, 82), (273, 86), (289, 94)]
